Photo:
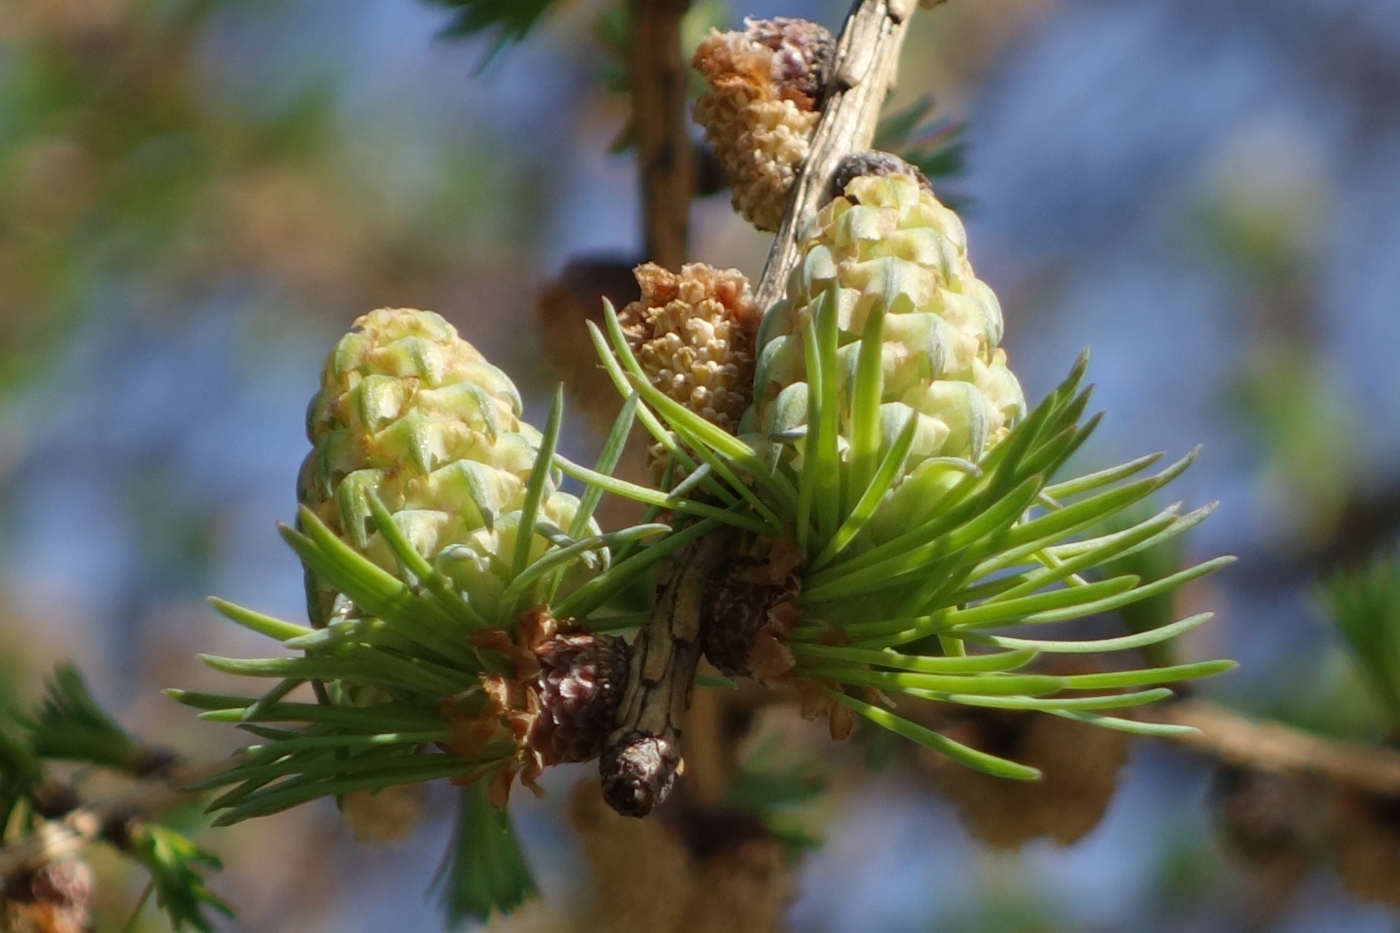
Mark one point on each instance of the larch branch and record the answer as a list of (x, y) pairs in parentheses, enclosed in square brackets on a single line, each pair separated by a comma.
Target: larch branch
[(867, 57), (1272, 747)]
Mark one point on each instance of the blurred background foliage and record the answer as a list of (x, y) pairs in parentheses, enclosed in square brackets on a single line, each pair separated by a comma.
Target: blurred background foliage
[(197, 196)]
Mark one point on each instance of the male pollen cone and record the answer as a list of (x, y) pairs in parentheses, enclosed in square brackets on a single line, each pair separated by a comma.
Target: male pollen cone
[(765, 86), (693, 334)]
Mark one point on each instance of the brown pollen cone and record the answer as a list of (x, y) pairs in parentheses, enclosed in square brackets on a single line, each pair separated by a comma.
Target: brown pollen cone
[(1079, 765), (1274, 823), (557, 707), (562, 311), (693, 334), (765, 88), (658, 877), (1367, 845)]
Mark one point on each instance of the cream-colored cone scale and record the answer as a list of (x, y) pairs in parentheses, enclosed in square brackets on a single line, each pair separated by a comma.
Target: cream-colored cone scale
[(886, 242), (413, 412)]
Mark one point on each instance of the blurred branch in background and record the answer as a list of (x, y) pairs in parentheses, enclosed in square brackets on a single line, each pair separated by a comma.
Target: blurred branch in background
[(1240, 741), (660, 86)]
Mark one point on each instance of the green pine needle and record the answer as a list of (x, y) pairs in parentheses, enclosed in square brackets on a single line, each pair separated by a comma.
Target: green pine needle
[(1098, 645), (608, 459), (1047, 704), (971, 757), (257, 622), (1006, 547), (535, 487), (178, 871), (964, 664), (417, 566), (875, 490), (618, 362)]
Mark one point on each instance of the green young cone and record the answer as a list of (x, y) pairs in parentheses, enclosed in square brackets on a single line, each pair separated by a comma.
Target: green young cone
[(444, 643), (886, 247), (413, 413), (908, 514)]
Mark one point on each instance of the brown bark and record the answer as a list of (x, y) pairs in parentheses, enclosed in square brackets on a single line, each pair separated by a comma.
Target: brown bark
[(867, 57)]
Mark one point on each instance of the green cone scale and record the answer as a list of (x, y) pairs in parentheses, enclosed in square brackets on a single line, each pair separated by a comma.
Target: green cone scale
[(886, 247), (414, 413)]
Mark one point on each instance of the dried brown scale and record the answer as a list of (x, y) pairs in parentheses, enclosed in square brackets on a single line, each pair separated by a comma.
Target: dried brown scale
[(749, 617), (753, 608), (693, 334), (766, 86), (873, 162), (557, 706)]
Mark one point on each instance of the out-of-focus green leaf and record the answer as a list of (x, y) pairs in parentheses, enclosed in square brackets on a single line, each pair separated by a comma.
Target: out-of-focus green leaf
[(1365, 604), (931, 142), (178, 869), (19, 769), (506, 20), (484, 871), (69, 724)]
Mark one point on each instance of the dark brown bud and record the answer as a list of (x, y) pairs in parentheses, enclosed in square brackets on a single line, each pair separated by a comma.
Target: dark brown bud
[(54, 799), (872, 162), (639, 773), (803, 53), (580, 683)]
